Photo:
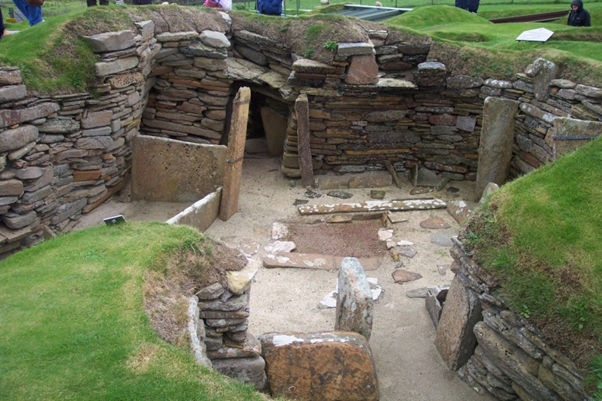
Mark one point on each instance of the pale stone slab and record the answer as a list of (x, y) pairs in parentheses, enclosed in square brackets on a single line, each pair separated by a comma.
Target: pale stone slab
[(355, 307), (459, 210), (111, 41), (312, 261), (201, 214), (373, 206), (12, 139), (113, 67), (240, 281), (215, 39)]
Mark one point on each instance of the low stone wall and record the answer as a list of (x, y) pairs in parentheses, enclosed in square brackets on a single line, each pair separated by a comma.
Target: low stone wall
[(495, 350)]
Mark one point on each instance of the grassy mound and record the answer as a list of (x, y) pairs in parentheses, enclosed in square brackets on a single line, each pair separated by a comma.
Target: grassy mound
[(435, 16), (74, 324), (541, 237)]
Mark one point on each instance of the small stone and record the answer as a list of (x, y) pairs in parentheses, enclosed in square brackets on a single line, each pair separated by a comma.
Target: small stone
[(417, 293), (452, 190), (385, 234), (240, 281), (397, 217), (442, 269), (401, 276), (376, 194), (421, 190), (279, 231), (300, 202), (408, 253), (280, 246), (434, 222), (312, 194), (405, 243), (443, 238), (339, 218), (339, 194)]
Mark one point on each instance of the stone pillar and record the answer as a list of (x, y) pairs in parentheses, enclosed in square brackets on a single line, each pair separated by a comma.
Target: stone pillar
[(497, 137), (302, 110), (235, 153), (355, 307)]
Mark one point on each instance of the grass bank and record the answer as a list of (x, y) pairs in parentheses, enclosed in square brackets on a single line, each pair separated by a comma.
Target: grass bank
[(73, 322), (541, 237)]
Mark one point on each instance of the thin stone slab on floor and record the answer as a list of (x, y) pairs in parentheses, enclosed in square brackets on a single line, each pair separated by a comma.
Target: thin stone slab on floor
[(313, 261), (373, 206)]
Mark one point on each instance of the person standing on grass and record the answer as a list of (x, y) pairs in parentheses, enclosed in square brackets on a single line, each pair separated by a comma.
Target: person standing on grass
[(92, 3), (32, 13), (141, 2), (269, 7), (579, 16)]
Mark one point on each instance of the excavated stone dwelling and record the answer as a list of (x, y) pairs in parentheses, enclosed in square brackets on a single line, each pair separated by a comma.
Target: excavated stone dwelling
[(379, 99)]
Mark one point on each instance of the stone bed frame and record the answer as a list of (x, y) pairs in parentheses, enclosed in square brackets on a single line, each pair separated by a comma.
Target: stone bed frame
[(63, 155)]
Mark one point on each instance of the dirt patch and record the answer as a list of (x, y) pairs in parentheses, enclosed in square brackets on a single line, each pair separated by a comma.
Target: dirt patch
[(356, 239)]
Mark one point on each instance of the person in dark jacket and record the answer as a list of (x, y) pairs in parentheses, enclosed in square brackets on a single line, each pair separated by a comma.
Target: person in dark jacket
[(269, 7), (579, 16)]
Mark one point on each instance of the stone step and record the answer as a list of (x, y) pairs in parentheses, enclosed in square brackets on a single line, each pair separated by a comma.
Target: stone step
[(313, 261)]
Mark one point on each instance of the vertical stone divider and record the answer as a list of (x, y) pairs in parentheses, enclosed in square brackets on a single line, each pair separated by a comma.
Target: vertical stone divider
[(497, 137), (355, 306), (235, 153), (302, 111)]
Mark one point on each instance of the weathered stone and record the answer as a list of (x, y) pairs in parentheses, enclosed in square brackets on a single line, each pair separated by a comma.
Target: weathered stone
[(29, 173), (490, 188), (385, 116), (249, 349), (280, 246), (464, 82), (246, 370), (257, 57), (12, 93), (434, 299), (274, 125), (371, 180), (211, 292), (94, 142), (569, 127), (401, 276), (102, 69), (466, 123), (496, 83), (8, 200), (455, 338), (124, 80), (544, 72), (240, 281), (320, 366), (235, 303), (431, 74), (10, 77), (67, 210), (177, 36), (111, 41), (355, 307), (589, 91), (363, 70), (59, 125), (313, 67), (372, 206), (497, 138), (46, 178), (11, 188), (563, 83), (345, 50), (16, 221), (512, 360), (10, 117), (215, 39), (434, 222)]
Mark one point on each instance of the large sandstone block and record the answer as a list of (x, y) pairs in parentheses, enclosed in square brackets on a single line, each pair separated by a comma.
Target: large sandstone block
[(320, 366), (455, 339), (355, 307), (16, 138)]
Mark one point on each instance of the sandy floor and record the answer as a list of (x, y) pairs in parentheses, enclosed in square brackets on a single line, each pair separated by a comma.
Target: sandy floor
[(408, 365)]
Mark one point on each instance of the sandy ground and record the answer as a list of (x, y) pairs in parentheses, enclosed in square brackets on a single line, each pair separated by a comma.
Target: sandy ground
[(407, 362)]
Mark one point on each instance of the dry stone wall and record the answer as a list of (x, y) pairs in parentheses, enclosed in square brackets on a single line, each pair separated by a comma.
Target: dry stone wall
[(377, 102), (495, 350)]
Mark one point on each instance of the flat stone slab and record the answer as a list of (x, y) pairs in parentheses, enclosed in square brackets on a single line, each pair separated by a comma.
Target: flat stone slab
[(434, 222), (320, 366), (313, 261), (401, 276), (373, 206)]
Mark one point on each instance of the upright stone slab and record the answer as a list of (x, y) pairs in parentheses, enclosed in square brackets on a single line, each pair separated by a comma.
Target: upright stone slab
[(497, 137), (363, 70), (274, 125), (302, 110), (235, 153), (355, 307), (320, 366), (544, 71), (455, 339)]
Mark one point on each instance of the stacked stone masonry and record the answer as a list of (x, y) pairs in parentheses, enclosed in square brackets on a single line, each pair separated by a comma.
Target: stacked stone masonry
[(510, 360), (379, 102)]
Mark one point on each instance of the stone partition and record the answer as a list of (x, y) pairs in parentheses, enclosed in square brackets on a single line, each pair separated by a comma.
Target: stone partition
[(165, 170), (496, 351)]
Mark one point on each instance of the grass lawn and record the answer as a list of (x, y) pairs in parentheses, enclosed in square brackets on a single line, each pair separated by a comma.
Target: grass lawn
[(541, 236), (73, 324)]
